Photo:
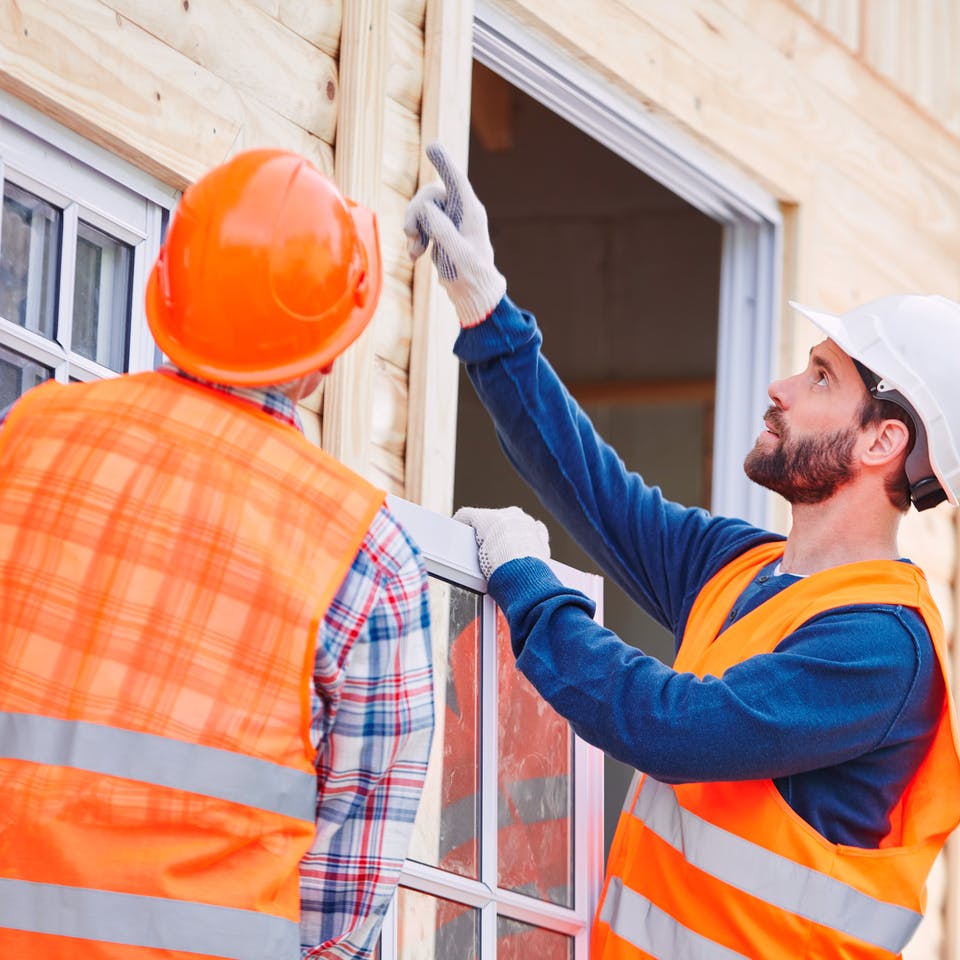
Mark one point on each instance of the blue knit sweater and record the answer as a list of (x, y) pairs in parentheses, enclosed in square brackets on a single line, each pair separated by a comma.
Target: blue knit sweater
[(839, 715)]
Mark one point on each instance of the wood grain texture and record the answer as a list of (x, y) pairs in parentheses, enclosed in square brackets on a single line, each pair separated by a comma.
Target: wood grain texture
[(405, 68), (434, 371), (93, 69), (318, 21), (250, 50), (349, 393)]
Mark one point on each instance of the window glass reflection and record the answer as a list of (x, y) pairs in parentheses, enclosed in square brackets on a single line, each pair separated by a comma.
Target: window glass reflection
[(446, 834), (535, 787), (29, 252), (430, 928), (101, 297), (521, 941), (17, 375)]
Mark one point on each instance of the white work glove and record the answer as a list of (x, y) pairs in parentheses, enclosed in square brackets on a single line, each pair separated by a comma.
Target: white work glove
[(450, 215), (505, 534)]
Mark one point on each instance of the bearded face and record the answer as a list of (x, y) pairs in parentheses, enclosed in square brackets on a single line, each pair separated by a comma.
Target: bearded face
[(805, 469)]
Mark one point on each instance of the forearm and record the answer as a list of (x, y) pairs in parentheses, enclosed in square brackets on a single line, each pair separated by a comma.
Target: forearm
[(676, 726), (659, 552)]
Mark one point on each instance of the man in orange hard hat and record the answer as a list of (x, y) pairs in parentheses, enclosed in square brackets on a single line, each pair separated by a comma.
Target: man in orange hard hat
[(214, 650), (797, 767)]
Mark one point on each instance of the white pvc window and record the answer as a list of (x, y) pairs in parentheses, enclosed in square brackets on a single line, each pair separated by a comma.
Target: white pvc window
[(79, 231), (506, 857)]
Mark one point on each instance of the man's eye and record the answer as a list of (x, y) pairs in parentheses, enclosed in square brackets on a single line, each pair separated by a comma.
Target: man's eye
[(821, 379)]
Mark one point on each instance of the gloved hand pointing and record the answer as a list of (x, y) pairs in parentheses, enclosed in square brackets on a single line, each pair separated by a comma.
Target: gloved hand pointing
[(450, 215), (505, 534)]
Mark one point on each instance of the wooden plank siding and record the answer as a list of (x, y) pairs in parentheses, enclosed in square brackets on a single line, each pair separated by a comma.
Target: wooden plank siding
[(178, 87), (910, 42)]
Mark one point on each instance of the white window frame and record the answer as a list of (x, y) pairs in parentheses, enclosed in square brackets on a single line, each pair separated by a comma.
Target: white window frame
[(748, 322), (90, 184), (450, 553)]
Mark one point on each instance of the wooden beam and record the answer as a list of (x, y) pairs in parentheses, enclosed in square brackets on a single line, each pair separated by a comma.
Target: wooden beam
[(358, 164), (434, 371)]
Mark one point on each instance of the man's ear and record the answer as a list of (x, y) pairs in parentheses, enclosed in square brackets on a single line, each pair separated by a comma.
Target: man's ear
[(889, 441)]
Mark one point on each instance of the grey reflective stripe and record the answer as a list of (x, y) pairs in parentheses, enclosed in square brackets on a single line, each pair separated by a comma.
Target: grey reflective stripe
[(635, 919), (772, 878), (146, 921), (458, 823), (541, 798), (159, 760)]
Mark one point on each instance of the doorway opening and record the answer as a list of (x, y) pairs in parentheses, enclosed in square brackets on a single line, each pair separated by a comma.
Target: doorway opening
[(624, 277)]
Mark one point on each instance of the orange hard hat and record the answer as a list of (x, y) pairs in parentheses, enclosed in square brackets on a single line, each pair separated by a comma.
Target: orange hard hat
[(267, 272)]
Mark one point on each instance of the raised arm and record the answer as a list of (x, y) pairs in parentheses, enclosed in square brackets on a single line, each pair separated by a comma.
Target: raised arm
[(659, 552)]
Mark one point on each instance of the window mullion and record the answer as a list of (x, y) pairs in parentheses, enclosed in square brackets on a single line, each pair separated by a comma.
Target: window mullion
[(489, 775), (142, 349), (31, 344), (68, 273), (390, 931), (488, 931), (488, 744)]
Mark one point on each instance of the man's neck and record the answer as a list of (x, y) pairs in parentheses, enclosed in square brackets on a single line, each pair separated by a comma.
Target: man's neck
[(847, 528)]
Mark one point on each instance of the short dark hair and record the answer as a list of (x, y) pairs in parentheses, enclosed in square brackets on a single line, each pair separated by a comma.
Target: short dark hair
[(873, 411)]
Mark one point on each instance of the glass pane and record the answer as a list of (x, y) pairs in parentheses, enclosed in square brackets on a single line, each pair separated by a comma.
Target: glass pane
[(535, 787), (17, 375), (29, 252), (430, 928), (101, 298), (446, 834), (521, 941)]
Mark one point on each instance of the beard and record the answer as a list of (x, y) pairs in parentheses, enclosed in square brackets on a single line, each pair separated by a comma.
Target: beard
[(808, 470)]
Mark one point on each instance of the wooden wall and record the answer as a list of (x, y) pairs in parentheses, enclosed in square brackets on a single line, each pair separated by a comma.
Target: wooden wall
[(177, 87), (913, 43)]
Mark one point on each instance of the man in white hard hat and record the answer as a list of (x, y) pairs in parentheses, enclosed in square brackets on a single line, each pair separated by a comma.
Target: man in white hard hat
[(798, 768)]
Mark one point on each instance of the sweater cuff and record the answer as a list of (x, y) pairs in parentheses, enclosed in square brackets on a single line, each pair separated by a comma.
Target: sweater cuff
[(525, 583), (506, 329)]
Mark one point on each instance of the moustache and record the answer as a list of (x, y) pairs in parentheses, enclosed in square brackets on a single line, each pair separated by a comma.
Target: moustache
[(773, 419)]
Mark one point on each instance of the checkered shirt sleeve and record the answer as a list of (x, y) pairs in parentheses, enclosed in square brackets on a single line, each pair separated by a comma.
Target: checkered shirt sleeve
[(373, 722)]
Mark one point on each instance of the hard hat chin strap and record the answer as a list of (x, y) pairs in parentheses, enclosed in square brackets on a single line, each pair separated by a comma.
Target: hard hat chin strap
[(925, 488)]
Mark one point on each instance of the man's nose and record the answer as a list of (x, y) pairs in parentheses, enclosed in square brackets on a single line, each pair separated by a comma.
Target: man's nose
[(777, 391)]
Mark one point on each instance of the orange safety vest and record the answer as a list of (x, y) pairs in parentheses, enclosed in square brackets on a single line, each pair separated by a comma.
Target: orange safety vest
[(167, 554), (720, 871)]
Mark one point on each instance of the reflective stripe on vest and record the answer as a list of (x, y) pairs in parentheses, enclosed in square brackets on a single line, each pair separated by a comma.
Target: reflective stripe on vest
[(770, 877), (164, 762), (155, 922), (634, 918)]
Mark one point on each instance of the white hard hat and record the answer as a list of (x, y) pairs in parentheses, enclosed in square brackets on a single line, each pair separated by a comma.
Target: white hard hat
[(911, 344)]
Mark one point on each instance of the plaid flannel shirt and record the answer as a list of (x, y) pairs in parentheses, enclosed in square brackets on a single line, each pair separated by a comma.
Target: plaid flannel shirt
[(372, 701)]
